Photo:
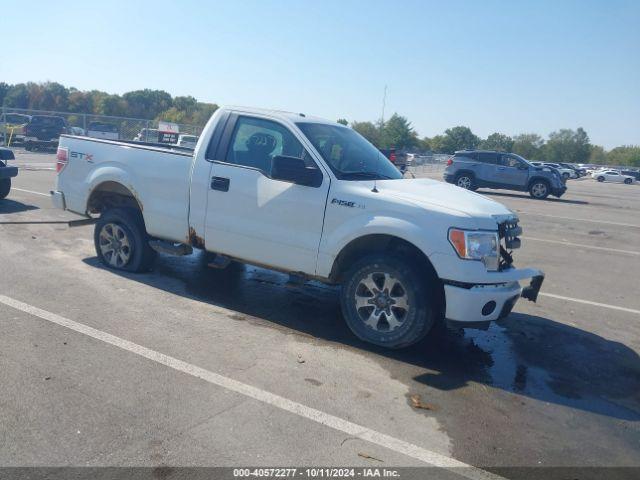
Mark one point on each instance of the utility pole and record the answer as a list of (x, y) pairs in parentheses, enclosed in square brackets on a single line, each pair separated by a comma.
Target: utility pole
[(384, 103)]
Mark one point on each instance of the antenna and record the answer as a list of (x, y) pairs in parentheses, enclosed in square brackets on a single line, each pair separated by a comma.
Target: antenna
[(384, 102)]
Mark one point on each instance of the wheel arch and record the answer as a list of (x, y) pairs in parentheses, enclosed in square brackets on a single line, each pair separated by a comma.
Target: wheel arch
[(389, 244), (111, 194)]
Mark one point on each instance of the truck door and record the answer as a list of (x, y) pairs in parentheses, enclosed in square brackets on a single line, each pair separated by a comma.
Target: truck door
[(512, 170), (254, 217)]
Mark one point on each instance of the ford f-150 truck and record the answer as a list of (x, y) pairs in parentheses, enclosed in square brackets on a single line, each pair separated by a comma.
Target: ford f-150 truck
[(311, 198)]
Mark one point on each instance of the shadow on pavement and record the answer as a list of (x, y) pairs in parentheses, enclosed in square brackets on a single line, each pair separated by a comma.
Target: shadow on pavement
[(11, 206), (528, 355)]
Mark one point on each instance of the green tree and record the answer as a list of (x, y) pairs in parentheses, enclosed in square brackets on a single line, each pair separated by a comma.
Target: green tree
[(598, 156), (498, 141), (17, 96), (397, 132), (528, 145), (342, 121), (368, 130), (147, 103), (625, 155), (567, 145), (4, 89), (458, 138)]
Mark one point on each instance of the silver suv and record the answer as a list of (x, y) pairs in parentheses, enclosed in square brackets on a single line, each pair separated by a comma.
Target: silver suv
[(473, 169)]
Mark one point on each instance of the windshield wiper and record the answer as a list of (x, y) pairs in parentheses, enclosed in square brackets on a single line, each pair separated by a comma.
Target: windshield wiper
[(365, 175)]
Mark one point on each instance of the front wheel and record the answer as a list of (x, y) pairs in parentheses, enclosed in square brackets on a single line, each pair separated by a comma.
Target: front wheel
[(601, 179), (565, 176), (628, 181), (466, 181), (385, 301), (5, 187), (122, 242), (539, 190)]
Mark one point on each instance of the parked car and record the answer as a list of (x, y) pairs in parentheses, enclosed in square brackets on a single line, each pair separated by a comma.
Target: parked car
[(312, 198), (12, 128), (398, 159), (580, 172), (104, 130), (612, 176), (473, 169), (6, 172), (187, 141), (632, 173), (79, 131), (565, 172), (148, 135), (43, 131)]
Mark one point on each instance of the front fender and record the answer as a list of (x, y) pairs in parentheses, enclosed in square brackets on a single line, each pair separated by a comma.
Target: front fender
[(333, 242)]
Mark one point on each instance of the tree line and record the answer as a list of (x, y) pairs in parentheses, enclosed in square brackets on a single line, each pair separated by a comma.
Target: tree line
[(565, 145), (146, 104)]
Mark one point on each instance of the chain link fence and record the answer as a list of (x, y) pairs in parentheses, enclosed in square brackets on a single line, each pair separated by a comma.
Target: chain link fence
[(13, 121), (428, 165)]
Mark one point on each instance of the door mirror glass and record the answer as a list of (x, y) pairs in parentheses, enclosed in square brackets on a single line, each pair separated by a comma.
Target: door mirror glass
[(292, 169)]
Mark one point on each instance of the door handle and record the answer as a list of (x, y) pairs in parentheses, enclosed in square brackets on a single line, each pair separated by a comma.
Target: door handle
[(220, 183)]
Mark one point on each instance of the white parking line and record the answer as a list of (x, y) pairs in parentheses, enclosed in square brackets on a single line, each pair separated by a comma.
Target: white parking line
[(589, 302), (580, 219), (318, 416), (30, 191), (560, 242)]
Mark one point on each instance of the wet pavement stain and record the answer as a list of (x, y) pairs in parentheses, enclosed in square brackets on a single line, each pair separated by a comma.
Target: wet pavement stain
[(530, 374)]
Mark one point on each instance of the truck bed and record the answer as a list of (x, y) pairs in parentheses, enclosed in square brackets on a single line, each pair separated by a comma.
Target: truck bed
[(157, 176)]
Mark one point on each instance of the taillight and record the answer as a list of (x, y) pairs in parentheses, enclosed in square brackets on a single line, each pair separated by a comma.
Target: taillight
[(62, 158), (450, 161)]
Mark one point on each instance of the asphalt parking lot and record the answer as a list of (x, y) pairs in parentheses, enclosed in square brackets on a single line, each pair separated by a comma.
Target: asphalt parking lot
[(188, 366)]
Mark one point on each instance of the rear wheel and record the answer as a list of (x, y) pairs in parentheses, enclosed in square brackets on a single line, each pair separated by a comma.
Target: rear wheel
[(122, 242), (628, 181), (466, 181), (601, 179), (539, 189), (5, 187), (385, 301)]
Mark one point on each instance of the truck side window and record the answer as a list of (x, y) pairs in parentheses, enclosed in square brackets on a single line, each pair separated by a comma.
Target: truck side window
[(256, 141)]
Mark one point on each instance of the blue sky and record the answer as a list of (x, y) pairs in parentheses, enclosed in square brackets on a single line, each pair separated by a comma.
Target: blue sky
[(507, 66)]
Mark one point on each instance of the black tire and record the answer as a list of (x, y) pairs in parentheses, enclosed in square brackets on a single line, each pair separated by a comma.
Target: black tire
[(539, 189), (28, 148), (5, 187), (601, 179), (414, 321), (467, 181), (628, 181), (139, 255), (565, 176)]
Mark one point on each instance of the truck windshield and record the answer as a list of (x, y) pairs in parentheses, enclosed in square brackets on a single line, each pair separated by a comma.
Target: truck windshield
[(348, 154)]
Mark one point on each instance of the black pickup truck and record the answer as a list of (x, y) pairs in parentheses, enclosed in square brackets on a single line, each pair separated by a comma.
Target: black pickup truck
[(6, 172), (43, 132)]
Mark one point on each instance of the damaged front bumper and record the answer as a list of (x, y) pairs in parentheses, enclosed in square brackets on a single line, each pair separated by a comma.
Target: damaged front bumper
[(476, 304)]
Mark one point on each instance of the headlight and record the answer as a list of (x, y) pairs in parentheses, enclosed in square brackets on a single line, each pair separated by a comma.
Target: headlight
[(474, 245)]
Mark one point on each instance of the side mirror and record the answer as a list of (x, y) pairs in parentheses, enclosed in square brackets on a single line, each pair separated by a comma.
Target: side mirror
[(294, 170)]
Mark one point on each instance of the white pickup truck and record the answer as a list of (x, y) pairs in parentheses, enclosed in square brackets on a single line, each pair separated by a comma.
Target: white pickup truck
[(311, 198)]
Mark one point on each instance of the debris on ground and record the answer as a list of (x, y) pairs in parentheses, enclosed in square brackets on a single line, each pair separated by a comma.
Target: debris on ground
[(416, 402), (300, 359), (369, 457)]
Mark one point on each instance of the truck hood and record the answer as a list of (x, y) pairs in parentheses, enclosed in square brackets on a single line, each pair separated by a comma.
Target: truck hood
[(430, 193)]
